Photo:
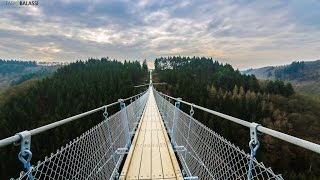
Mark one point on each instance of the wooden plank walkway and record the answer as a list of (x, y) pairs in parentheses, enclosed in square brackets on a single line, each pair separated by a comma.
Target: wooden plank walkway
[(151, 155)]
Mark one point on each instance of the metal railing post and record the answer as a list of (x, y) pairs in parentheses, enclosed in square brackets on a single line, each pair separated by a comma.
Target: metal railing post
[(162, 103), (135, 109), (175, 121), (140, 105), (189, 128), (105, 115), (165, 109), (126, 121)]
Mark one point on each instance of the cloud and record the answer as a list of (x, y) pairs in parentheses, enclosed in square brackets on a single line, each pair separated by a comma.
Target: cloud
[(243, 33)]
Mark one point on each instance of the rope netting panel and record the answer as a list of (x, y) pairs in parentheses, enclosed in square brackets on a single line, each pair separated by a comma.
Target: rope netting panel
[(97, 153), (204, 153)]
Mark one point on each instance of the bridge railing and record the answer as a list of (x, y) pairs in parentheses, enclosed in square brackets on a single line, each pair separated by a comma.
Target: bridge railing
[(205, 154), (276, 134), (96, 154)]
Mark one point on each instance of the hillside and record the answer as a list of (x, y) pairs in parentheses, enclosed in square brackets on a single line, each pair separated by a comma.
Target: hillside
[(72, 89), (303, 75), (271, 103), (14, 72)]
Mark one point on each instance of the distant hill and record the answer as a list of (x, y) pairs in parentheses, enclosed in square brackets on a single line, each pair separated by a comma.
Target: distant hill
[(13, 72), (303, 75)]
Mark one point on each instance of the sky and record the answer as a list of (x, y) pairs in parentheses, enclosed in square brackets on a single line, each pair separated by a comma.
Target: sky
[(245, 34)]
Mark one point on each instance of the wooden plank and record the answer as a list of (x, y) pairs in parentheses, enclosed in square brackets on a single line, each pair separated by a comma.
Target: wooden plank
[(156, 155), (156, 165), (155, 141), (134, 168), (135, 164), (168, 171), (145, 167)]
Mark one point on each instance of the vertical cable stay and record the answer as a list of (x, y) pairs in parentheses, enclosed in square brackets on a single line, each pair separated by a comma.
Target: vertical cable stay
[(175, 120)]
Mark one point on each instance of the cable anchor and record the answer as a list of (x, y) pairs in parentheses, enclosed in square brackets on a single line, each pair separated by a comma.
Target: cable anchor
[(122, 104), (25, 153), (254, 145), (191, 110), (105, 113)]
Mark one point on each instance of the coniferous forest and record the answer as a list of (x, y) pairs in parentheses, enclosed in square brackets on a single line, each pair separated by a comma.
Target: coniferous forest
[(72, 89), (273, 104), (9, 66)]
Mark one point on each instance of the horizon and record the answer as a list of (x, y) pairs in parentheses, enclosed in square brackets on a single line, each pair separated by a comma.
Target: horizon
[(244, 34), (150, 63)]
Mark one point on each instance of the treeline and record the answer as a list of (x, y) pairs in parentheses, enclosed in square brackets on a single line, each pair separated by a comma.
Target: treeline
[(271, 103), (12, 66), (290, 71), (207, 71), (37, 74), (72, 89)]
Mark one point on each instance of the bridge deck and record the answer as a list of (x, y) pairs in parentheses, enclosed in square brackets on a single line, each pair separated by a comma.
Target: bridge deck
[(151, 155)]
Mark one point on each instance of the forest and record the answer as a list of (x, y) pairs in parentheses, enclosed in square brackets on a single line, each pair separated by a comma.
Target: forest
[(72, 89), (289, 72), (303, 75), (33, 75), (273, 104), (14, 72), (9, 66)]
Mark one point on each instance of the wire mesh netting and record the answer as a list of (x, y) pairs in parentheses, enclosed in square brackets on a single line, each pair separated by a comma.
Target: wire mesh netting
[(95, 154), (204, 153)]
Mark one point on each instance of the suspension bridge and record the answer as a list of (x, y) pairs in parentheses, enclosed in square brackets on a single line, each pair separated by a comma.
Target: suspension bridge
[(150, 138)]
